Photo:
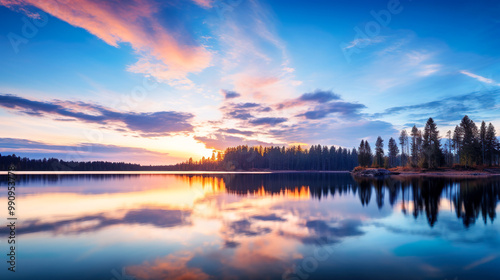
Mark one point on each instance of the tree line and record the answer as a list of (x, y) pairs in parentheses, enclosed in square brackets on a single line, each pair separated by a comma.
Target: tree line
[(234, 158), (468, 146), (243, 157), (54, 164)]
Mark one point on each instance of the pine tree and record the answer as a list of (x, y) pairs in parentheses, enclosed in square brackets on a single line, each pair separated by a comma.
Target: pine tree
[(416, 145), (368, 154), (432, 145), (379, 152), (482, 140), (393, 152), (470, 145), (403, 141), (458, 136), (491, 145)]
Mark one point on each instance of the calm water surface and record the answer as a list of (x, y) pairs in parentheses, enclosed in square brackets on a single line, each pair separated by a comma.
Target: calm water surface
[(252, 226)]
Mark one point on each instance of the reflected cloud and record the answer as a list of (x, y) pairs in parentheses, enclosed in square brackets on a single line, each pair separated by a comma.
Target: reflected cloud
[(172, 267), (270, 217), (155, 217), (245, 228)]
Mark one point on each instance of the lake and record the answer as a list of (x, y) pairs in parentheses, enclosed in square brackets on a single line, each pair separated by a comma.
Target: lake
[(252, 226)]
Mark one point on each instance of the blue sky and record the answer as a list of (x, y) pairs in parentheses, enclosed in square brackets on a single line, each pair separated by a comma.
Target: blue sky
[(153, 76)]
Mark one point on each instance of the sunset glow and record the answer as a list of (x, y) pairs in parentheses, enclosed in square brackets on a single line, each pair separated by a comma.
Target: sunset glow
[(159, 82)]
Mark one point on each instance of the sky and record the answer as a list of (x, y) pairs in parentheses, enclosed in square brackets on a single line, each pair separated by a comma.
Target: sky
[(158, 82)]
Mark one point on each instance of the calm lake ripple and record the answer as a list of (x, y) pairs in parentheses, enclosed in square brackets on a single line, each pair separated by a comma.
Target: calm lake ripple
[(252, 226)]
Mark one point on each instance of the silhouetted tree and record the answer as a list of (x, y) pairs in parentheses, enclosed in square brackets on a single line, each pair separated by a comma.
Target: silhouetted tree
[(403, 141), (393, 152), (416, 145), (379, 152), (431, 145)]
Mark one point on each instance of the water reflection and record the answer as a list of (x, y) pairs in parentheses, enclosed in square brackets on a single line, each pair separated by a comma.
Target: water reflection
[(471, 197), (260, 226)]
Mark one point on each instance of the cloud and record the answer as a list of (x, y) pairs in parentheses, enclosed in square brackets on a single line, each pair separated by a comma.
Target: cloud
[(231, 244), (254, 58), (153, 124), (161, 53), (80, 151), (220, 141), (246, 105), (230, 94), (330, 132), (267, 121), (236, 131), (447, 109), (318, 96), (479, 78), (204, 3), (240, 114), (363, 42), (243, 111), (345, 109)]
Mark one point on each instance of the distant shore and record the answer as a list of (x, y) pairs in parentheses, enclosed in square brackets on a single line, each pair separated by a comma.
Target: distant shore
[(166, 172)]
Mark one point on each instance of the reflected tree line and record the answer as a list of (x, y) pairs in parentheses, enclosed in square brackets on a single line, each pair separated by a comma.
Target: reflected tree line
[(472, 199)]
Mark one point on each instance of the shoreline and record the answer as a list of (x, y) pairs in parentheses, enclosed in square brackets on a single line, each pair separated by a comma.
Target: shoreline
[(380, 172), (165, 172), (394, 173)]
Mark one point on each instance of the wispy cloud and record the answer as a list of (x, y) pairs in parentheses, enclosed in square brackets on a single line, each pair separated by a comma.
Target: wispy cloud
[(447, 109), (204, 3), (318, 96), (152, 124), (345, 109), (221, 141), (479, 78), (79, 151), (364, 42), (236, 131), (162, 54), (230, 94), (267, 121)]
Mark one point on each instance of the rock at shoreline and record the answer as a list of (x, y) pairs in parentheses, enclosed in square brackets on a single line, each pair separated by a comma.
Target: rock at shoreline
[(373, 172)]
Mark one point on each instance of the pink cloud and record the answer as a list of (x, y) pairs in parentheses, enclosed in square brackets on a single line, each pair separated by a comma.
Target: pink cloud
[(204, 3), (161, 55)]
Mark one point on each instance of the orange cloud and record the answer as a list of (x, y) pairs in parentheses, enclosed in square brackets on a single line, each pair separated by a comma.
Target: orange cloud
[(161, 55)]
